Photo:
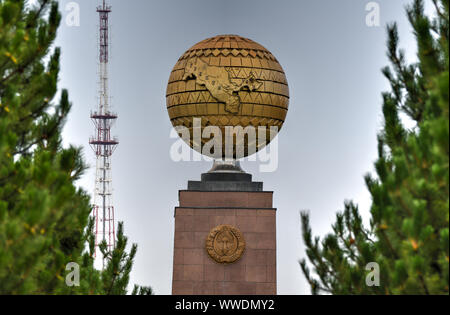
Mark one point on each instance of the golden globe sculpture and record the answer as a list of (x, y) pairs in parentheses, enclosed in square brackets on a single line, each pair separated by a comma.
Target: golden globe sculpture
[(228, 81)]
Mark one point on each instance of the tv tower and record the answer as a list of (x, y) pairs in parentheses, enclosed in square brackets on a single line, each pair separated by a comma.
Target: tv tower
[(103, 144)]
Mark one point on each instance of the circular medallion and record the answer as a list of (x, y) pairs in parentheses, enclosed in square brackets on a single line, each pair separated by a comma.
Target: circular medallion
[(225, 244)]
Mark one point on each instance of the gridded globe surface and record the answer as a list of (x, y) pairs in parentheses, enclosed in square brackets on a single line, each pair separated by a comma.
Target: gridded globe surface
[(228, 80)]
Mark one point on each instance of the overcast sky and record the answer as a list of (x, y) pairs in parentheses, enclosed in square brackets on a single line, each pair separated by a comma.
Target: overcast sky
[(332, 61)]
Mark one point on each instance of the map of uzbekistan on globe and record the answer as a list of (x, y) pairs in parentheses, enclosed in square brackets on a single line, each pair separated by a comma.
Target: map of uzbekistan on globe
[(228, 80)]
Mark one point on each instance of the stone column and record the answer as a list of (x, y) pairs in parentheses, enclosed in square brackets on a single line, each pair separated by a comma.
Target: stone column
[(239, 204)]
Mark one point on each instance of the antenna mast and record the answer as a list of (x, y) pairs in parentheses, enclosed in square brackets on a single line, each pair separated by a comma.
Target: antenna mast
[(102, 143)]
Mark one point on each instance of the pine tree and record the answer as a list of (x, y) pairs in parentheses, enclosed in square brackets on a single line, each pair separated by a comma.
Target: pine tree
[(408, 235), (44, 217)]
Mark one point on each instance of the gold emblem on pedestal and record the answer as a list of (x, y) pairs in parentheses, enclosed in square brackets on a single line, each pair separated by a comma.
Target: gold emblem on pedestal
[(225, 244), (228, 80)]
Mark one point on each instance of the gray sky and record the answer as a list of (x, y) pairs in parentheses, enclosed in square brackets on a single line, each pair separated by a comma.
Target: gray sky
[(332, 61)]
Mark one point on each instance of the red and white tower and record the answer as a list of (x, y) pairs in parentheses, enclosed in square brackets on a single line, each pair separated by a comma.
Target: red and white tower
[(102, 143)]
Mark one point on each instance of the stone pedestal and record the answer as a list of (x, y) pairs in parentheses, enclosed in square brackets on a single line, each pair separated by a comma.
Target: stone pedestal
[(232, 200)]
